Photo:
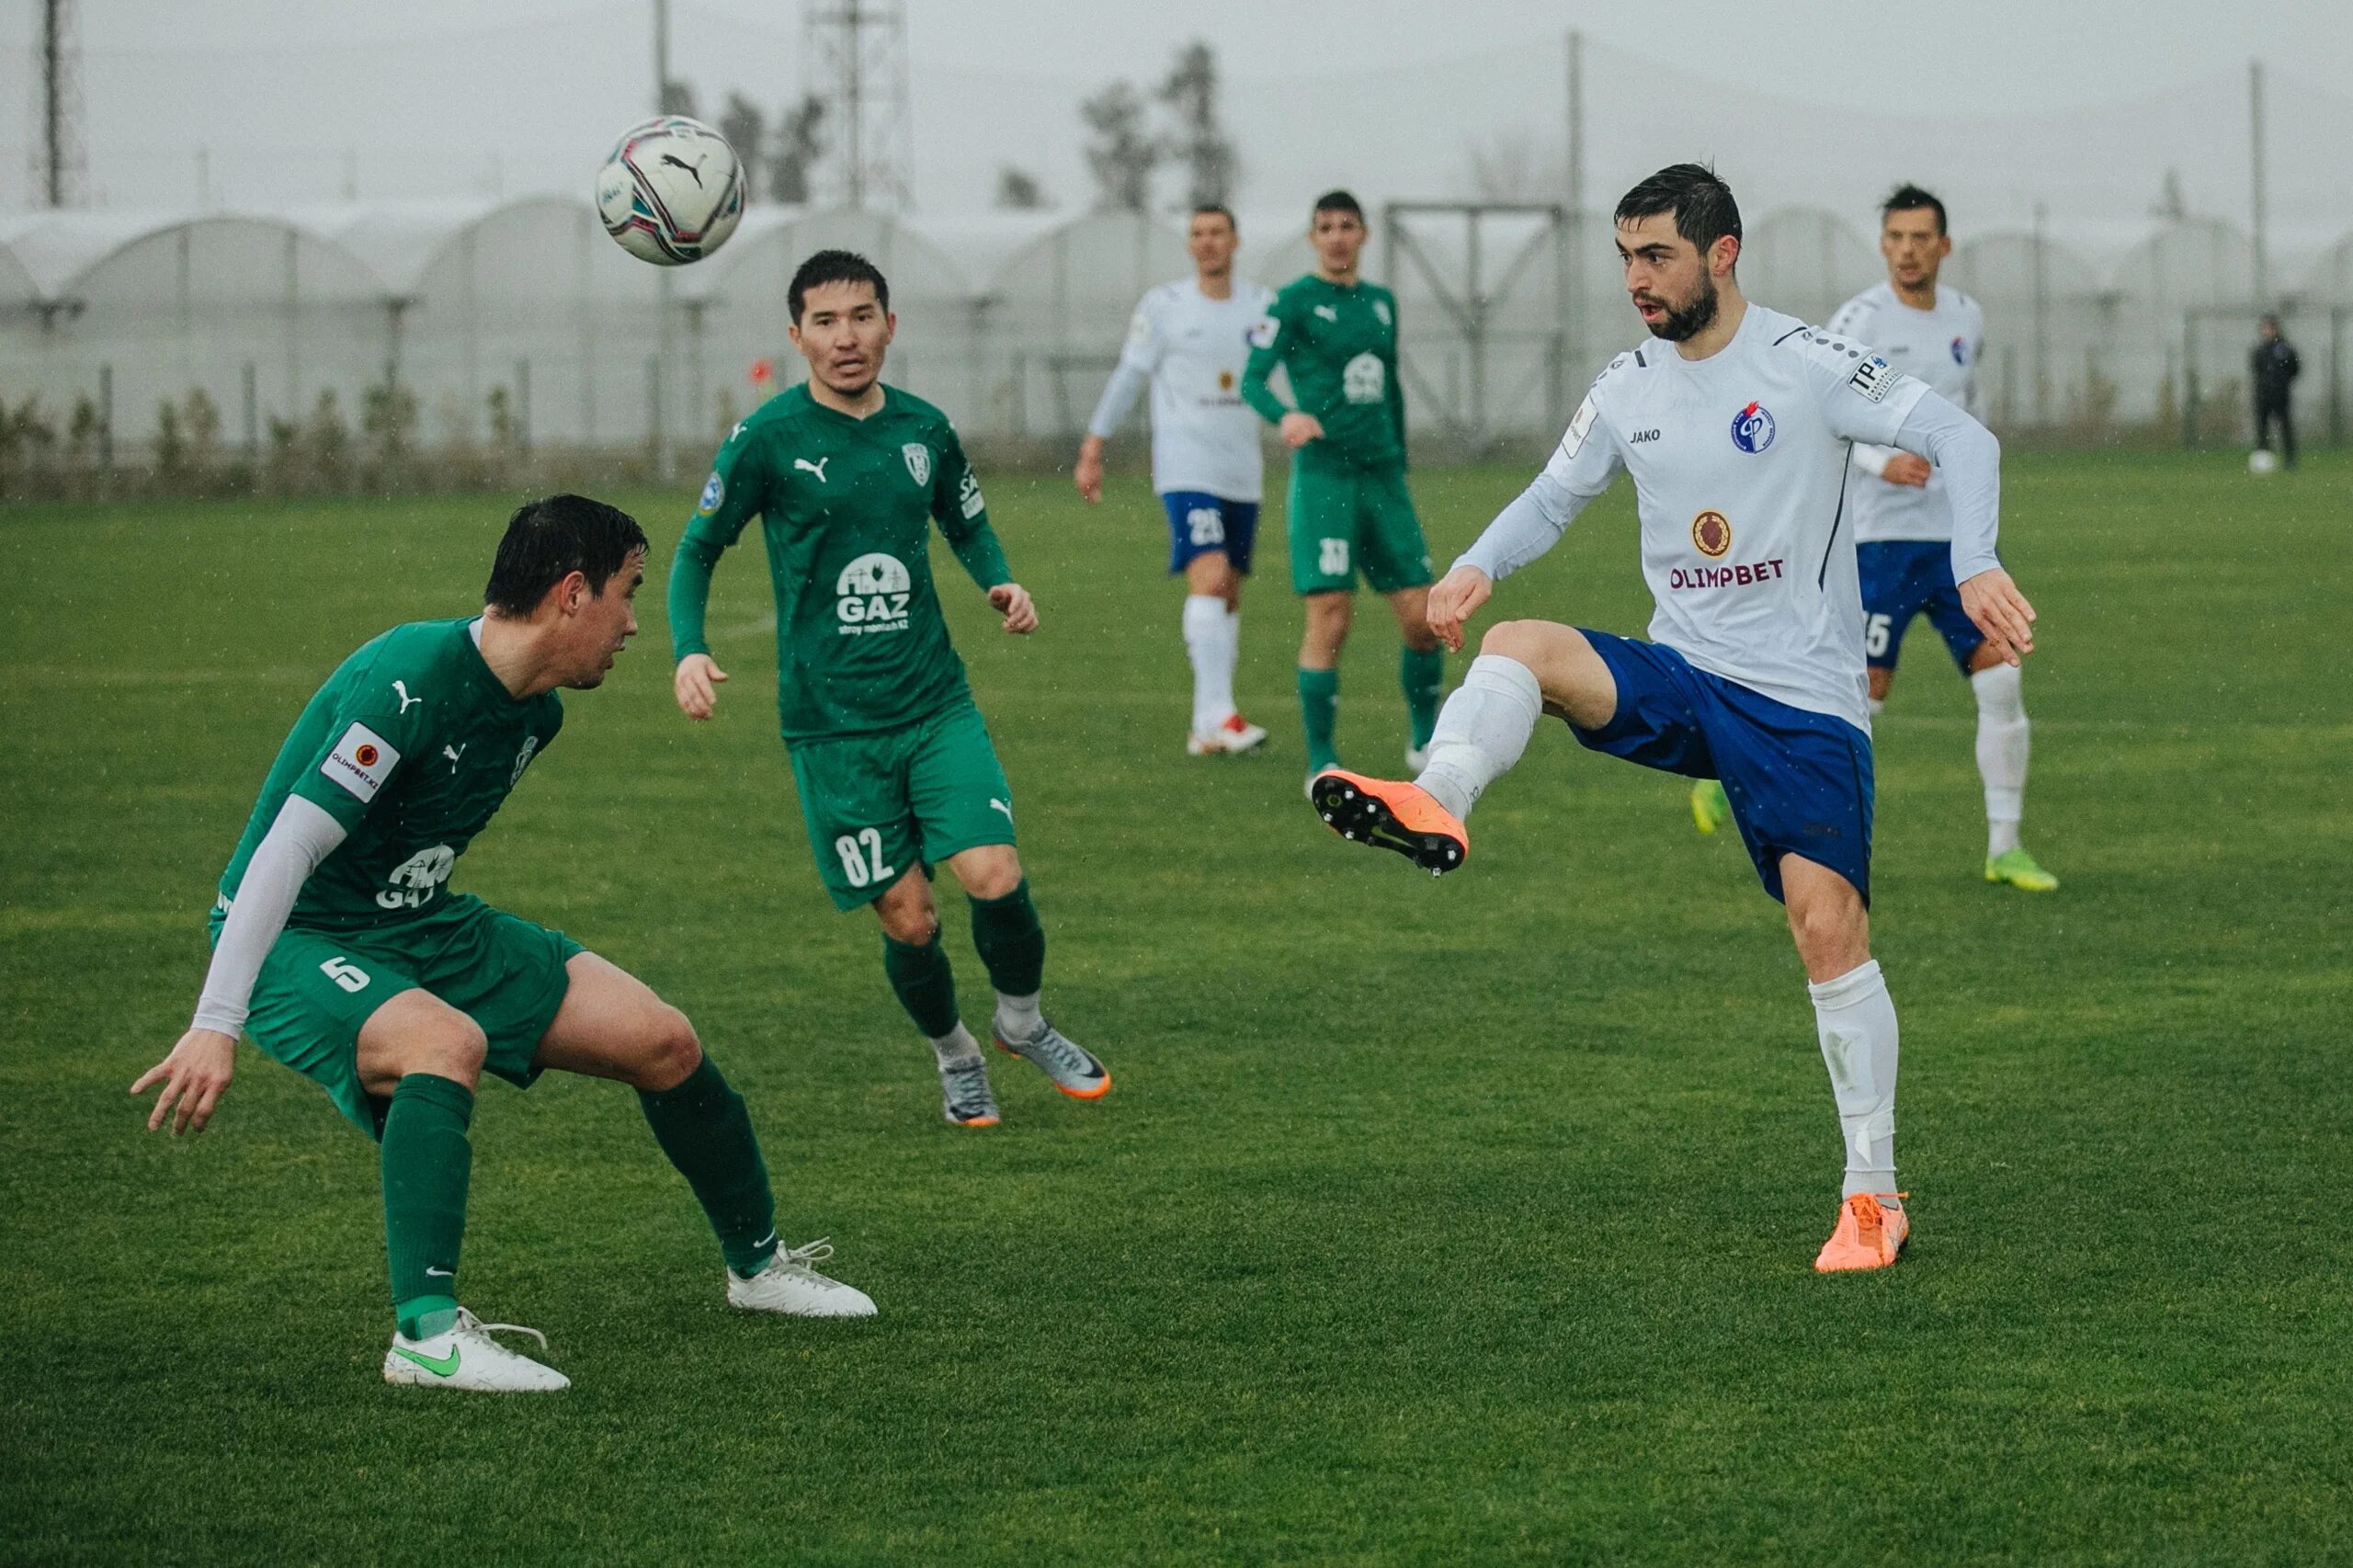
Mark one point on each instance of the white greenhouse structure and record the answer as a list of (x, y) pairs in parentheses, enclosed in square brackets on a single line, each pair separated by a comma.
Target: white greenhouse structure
[(523, 311)]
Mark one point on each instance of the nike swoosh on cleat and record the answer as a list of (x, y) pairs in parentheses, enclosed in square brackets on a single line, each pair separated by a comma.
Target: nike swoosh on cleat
[(440, 1368), (441, 1273)]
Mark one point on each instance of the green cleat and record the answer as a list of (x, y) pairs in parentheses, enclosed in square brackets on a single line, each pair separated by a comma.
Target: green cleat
[(1709, 809), (2017, 867)]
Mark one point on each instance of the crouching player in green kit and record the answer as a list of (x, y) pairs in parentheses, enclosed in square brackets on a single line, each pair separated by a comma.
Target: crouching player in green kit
[(894, 766), (337, 943)]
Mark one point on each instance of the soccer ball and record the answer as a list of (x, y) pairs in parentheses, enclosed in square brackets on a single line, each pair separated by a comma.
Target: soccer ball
[(671, 192), (2262, 460)]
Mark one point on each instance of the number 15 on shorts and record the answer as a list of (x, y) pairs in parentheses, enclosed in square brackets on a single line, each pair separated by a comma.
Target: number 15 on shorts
[(862, 860)]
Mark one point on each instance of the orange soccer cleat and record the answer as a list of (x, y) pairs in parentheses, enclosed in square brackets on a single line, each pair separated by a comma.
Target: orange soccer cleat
[(1870, 1234), (1397, 816)]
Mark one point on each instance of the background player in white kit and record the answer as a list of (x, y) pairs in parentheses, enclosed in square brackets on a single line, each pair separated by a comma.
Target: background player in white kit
[(1736, 436), (1191, 340), (1903, 522)]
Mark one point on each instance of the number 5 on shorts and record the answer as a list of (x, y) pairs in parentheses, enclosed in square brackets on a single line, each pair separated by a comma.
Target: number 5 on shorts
[(1875, 635), (345, 973), (863, 867)]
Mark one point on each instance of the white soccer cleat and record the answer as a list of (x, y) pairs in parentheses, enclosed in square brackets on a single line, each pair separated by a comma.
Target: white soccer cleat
[(1231, 738), (464, 1355), (790, 1285)]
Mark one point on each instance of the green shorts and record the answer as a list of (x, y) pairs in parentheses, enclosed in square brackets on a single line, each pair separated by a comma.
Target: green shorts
[(1343, 521), (317, 988), (876, 804)]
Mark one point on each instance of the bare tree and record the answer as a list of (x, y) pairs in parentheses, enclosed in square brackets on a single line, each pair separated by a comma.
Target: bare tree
[(747, 130), (1510, 166), (1123, 154), (799, 141), (1017, 190), (1213, 166)]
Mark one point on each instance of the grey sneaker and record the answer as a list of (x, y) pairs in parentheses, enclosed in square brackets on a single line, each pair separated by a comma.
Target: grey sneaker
[(1074, 1070), (964, 1096)]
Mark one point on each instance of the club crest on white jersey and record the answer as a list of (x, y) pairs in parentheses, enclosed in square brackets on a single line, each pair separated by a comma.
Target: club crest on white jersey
[(1753, 427)]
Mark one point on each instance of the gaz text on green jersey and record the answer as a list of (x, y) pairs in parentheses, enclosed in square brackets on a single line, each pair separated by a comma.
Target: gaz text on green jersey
[(846, 507), (1338, 344)]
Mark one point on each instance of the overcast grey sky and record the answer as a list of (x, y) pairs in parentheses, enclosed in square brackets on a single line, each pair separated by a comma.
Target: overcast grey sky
[(2083, 104)]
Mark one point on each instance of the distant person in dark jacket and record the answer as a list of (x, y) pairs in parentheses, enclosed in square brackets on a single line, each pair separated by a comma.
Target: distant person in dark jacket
[(2273, 369)]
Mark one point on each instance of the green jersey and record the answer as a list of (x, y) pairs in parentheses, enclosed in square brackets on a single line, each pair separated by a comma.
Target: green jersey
[(1338, 344), (846, 507), (413, 746)]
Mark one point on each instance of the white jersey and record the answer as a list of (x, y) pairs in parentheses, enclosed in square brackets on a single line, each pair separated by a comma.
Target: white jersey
[(1741, 480), (1939, 346), (1192, 348)]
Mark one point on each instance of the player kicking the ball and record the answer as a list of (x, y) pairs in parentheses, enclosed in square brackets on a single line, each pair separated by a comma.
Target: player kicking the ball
[(1191, 340), (1336, 336), (1734, 424), (337, 943), (895, 770)]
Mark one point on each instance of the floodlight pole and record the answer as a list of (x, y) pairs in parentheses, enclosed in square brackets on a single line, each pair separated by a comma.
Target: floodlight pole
[(2255, 191)]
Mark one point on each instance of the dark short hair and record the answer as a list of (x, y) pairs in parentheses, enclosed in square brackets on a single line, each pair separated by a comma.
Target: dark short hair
[(548, 540), (1336, 201), (1219, 210), (835, 267), (1904, 197), (1702, 204)]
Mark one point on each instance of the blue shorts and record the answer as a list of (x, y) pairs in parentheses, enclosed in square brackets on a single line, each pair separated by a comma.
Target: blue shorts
[(1904, 577), (1200, 523), (1800, 783)]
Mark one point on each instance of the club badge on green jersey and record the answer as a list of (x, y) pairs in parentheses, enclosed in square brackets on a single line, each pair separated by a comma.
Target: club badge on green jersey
[(919, 457)]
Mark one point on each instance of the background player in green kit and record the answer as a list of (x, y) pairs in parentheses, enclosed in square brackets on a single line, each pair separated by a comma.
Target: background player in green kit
[(337, 943), (894, 766), (1336, 336)]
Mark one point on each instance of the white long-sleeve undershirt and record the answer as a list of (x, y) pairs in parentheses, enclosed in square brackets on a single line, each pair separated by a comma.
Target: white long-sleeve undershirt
[(302, 835)]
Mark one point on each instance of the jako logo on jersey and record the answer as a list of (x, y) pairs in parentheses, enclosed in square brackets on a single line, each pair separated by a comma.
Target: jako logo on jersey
[(1960, 351), (919, 457), (715, 491), (873, 592), (1711, 533), (1638, 437), (1752, 428)]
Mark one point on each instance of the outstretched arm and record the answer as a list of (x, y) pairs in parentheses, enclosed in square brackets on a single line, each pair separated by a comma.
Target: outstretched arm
[(1581, 467), (1971, 460), (197, 1069)]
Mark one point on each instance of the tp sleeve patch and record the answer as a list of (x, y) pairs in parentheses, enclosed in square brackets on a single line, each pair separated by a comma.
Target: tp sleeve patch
[(1872, 379), (360, 762)]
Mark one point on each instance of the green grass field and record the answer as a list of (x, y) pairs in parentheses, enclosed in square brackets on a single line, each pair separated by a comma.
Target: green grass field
[(1464, 1221)]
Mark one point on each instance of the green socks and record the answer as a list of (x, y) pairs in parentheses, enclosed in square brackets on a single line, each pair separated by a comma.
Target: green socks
[(1011, 942), (925, 984), (1422, 674), (426, 1162), (1319, 710), (702, 1124)]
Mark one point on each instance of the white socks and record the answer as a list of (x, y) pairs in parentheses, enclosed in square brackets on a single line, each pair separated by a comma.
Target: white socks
[(2001, 744), (1018, 1018), (1213, 642), (1856, 1019), (956, 1046), (1482, 731)]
